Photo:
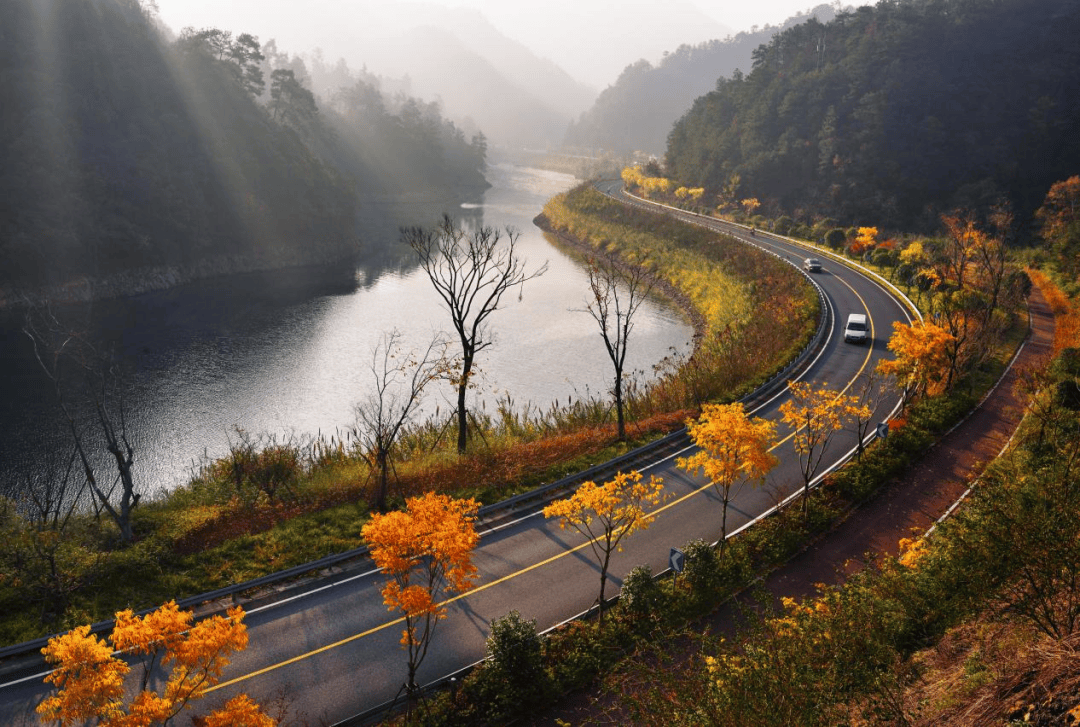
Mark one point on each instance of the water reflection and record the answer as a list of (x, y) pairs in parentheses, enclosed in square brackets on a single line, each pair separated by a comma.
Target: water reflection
[(288, 351)]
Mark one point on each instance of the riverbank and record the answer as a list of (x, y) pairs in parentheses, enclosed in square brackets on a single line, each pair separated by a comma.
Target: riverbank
[(218, 530), (662, 286), (379, 216), (137, 281)]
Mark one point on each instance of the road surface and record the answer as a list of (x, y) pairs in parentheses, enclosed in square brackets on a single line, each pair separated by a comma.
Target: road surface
[(333, 650)]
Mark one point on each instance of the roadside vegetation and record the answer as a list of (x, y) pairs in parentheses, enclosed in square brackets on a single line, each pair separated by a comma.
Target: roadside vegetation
[(863, 652), (271, 503), (845, 119), (975, 624)]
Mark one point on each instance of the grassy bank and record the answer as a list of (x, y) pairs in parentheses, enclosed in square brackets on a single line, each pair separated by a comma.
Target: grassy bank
[(853, 656), (273, 504)]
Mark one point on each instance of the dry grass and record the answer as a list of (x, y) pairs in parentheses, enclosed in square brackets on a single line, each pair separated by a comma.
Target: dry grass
[(989, 672), (997, 673), (1066, 313)]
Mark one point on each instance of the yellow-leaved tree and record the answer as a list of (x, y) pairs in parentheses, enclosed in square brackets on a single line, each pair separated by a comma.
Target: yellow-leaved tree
[(816, 416), (633, 176), (734, 450), (922, 361), (425, 550), (654, 185), (608, 513), (89, 677)]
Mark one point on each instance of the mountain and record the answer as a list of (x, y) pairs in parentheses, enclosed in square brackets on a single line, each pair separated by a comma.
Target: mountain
[(455, 56), (122, 150), (890, 114), (482, 79), (516, 100), (594, 41), (636, 113)]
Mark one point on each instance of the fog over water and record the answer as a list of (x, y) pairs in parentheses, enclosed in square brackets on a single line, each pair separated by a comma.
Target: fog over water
[(289, 352)]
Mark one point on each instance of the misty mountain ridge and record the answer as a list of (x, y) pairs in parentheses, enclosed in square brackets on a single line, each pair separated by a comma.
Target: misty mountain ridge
[(595, 43), (637, 112), (515, 98), (532, 55), (481, 78), (127, 150)]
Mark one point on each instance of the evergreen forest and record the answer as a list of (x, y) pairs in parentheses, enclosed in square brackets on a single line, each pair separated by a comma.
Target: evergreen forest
[(895, 112), (124, 145), (638, 110)]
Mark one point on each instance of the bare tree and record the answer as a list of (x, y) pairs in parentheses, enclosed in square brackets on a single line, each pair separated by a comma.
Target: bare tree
[(868, 398), (400, 379), (471, 271), (617, 292), (47, 563), (58, 349)]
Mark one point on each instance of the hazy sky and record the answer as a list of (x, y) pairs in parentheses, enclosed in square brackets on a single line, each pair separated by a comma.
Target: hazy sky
[(554, 29), (735, 14)]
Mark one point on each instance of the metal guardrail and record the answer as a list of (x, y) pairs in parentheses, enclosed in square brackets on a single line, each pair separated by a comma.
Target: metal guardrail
[(539, 494), (486, 512), (376, 714)]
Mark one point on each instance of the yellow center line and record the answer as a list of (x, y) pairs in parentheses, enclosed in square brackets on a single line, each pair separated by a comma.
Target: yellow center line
[(448, 601), (515, 574)]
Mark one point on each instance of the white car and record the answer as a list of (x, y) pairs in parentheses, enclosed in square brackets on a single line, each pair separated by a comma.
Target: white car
[(856, 330), (812, 265)]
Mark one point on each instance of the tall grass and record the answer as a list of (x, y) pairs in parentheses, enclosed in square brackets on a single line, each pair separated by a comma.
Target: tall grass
[(756, 311), (270, 503)]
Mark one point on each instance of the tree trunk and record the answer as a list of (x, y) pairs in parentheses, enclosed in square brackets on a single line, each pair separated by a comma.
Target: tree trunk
[(462, 412), (723, 528), (382, 464), (603, 585), (619, 416)]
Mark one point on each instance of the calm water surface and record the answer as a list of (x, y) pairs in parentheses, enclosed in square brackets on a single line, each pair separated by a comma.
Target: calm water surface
[(289, 352)]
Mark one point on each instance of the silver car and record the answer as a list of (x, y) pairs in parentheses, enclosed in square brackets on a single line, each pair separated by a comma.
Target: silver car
[(856, 330)]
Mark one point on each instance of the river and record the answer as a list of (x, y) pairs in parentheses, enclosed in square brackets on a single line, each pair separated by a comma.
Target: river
[(288, 353)]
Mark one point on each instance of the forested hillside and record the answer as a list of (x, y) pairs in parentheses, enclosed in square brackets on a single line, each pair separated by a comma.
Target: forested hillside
[(896, 112), (636, 112), (120, 148)]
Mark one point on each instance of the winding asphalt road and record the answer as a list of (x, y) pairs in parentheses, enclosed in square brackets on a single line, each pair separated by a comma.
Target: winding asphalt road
[(332, 650)]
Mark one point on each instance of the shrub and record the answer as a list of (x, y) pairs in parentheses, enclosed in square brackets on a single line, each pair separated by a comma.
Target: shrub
[(835, 238), (514, 679), (703, 572), (641, 596), (776, 538), (783, 225), (884, 258)]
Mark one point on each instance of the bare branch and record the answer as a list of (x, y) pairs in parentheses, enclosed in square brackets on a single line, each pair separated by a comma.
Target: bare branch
[(617, 291), (470, 271)]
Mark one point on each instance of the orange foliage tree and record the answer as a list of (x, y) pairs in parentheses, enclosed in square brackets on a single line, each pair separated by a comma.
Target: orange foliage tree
[(633, 176), (1060, 220), (734, 450), (607, 513), (425, 550), (1061, 208), (815, 415), (962, 243), (865, 240), (922, 356), (89, 677)]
